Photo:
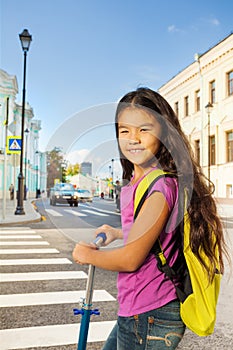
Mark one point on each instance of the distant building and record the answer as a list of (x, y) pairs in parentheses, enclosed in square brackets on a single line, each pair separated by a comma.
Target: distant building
[(86, 168), (209, 79)]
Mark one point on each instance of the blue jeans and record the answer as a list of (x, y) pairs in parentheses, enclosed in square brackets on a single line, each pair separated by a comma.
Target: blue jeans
[(158, 329)]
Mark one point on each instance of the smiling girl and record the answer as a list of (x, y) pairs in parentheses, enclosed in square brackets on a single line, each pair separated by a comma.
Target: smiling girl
[(150, 137)]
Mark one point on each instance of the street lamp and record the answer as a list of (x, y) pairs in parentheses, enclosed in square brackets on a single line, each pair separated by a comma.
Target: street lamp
[(37, 174), (25, 169), (25, 39), (208, 109), (112, 177), (112, 169)]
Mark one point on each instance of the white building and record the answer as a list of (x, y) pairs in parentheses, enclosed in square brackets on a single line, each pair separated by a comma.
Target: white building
[(209, 79), (34, 166)]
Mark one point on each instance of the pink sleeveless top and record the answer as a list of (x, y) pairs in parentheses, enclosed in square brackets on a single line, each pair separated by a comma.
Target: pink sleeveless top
[(148, 288)]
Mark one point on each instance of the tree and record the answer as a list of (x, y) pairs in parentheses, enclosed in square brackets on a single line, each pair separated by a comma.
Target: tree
[(73, 169), (55, 167)]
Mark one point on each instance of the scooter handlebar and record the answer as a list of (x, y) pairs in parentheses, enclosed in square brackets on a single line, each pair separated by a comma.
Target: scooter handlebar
[(100, 239)]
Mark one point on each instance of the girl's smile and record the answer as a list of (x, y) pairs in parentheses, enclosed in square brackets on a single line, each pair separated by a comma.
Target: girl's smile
[(139, 134)]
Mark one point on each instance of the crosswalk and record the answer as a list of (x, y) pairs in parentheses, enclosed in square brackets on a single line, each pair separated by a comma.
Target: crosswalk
[(81, 211), (21, 243)]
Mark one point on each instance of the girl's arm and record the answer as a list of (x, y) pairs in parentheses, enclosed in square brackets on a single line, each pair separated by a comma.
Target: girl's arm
[(146, 229)]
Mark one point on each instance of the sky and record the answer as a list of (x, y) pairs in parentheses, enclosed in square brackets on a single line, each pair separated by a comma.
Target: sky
[(89, 53)]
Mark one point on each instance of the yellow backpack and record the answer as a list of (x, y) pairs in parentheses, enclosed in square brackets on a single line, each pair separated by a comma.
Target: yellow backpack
[(198, 297)]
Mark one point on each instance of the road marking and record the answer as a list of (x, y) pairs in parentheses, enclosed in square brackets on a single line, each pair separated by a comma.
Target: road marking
[(77, 213), (20, 236), (29, 251), (12, 300), (53, 212), (52, 261), (55, 335), (94, 212), (39, 276), (24, 243), (14, 231), (107, 211)]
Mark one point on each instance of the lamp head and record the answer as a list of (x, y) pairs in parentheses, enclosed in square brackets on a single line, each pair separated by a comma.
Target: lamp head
[(25, 39), (209, 107)]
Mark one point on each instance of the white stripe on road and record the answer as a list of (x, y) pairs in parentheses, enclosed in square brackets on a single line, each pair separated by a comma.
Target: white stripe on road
[(107, 211), (12, 300), (39, 276), (52, 261), (14, 231), (53, 212), (29, 251), (77, 213), (24, 243), (94, 212), (55, 335), (20, 236)]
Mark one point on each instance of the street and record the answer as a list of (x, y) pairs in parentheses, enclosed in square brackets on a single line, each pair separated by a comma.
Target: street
[(41, 285)]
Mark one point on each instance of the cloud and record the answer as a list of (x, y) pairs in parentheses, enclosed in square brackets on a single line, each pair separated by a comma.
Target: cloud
[(214, 21), (173, 29), (77, 156)]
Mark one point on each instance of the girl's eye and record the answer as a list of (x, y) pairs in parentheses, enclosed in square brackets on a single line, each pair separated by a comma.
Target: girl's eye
[(144, 129), (123, 131)]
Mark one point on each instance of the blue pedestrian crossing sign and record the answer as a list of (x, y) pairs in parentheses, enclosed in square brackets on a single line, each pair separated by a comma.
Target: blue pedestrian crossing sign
[(14, 144)]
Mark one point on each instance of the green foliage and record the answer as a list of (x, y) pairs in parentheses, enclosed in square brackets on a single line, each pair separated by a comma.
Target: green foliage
[(73, 169), (55, 166)]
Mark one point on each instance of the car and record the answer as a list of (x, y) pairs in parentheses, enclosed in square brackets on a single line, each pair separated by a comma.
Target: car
[(84, 195), (63, 193)]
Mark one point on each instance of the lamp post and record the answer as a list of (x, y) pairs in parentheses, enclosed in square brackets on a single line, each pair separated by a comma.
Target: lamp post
[(208, 109), (112, 177), (25, 169), (37, 174), (25, 39)]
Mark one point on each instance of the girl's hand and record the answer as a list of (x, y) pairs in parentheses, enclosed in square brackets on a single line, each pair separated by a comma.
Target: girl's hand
[(111, 233), (81, 253)]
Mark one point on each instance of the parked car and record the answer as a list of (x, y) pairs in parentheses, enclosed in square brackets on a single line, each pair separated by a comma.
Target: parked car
[(63, 193), (84, 195)]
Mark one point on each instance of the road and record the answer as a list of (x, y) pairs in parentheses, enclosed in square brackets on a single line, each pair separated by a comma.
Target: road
[(40, 284)]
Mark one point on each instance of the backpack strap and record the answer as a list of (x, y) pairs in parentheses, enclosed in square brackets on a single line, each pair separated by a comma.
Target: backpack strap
[(140, 196), (145, 186)]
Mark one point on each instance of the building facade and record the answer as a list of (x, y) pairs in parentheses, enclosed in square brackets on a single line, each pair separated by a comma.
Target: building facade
[(202, 97), (34, 162), (86, 168)]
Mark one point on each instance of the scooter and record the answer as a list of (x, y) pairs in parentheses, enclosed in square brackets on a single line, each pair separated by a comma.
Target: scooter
[(86, 308)]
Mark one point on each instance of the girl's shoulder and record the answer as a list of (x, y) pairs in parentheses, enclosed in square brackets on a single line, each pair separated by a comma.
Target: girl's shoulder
[(168, 186)]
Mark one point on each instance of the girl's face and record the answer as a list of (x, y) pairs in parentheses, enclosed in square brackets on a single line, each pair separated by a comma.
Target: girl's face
[(139, 134)]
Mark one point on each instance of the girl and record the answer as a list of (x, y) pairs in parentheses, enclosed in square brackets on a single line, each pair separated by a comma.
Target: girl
[(150, 137)]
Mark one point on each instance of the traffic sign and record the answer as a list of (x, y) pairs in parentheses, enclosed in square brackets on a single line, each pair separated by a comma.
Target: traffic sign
[(14, 144)]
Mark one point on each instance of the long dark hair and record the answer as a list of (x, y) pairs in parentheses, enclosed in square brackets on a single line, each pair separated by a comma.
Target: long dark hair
[(175, 155)]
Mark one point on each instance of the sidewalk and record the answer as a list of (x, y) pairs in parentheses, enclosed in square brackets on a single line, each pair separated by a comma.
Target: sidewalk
[(31, 214)]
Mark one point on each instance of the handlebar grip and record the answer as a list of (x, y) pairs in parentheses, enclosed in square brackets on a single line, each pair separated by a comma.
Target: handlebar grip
[(100, 239)]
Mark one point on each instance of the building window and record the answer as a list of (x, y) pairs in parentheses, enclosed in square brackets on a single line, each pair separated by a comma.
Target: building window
[(198, 100), (212, 150), (229, 190), (229, 137), (230, 83), (197, 151), (186, 106), (177, 108), (212, 92)]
